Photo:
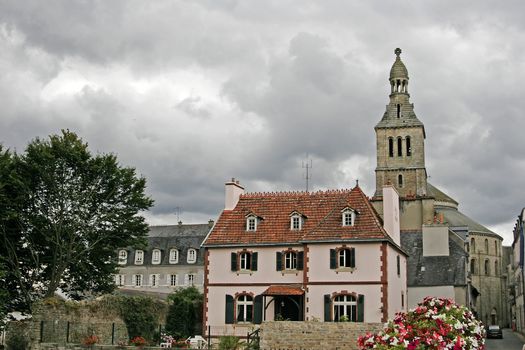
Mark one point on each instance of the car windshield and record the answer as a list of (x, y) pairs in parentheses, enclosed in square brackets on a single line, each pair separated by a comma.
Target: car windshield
[(493, 327)]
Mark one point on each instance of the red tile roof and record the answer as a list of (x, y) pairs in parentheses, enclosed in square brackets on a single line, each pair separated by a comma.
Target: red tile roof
[(286, 289), (322, 211)]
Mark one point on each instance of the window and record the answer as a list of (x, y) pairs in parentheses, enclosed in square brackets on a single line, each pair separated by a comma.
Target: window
[(192, 256), (486, 246), (155, 257), (137, 279), (348, 217), (496, 267), (244, 308), (174, 256), (172, 280), (119, 280), (345, 258), (251, 223), (408, 146), (390, 147), (295, 222), (190, 279), (400, 180), (244, 261), (345, 308), (473, 266), (473, 245), (122, 257), (399, 147), (398, 110), (398, 263), (139, 257), (154, 280), (402, 299), (487, 267), (290, 261), (496, 247)]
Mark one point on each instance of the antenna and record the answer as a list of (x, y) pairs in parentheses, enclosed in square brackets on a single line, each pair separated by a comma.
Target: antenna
[(307, 165), (178, 211)]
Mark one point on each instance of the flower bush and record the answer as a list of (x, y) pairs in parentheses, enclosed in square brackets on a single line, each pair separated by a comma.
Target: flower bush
[(177, 344), (138, 341), (435, 323), (91, 340)]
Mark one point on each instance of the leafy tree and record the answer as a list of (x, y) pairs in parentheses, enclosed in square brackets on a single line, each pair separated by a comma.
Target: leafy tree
[(185, 312), (71, 212)]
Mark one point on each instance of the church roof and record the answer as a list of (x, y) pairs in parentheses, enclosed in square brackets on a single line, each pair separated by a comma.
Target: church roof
[(409, 120), (398, 69), (455, 218), (439, 195), (322, 219)]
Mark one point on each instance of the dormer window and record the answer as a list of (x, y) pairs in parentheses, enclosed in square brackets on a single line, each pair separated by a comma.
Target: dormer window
[(139, 257), (155, 257), (174, 256), (122, 257), (251, 223), (192, 256), (348, 217), (296, 220)]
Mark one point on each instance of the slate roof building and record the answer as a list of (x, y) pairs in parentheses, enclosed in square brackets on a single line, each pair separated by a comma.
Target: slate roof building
[(450, 255), (323, 255), (172, 259)]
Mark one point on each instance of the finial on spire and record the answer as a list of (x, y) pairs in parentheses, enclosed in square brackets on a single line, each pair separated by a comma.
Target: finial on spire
[(397, 51)]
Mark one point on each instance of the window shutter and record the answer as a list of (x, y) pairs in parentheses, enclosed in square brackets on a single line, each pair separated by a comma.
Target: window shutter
[(279, 261), (254, 261), (300, 260), (229, 310), (327, 308), (360, 308), (234, 262), (352, 257), (257, 309), (333, 260), (186, 279)]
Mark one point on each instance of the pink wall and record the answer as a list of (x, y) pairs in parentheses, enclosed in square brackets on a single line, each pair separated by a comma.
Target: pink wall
[(396, 283)]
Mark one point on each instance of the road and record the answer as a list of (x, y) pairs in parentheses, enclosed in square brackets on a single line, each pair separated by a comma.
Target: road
[(510, 341)]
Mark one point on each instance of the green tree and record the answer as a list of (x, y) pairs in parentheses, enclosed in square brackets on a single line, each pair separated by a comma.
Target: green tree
[(71, 213), (185, 312)]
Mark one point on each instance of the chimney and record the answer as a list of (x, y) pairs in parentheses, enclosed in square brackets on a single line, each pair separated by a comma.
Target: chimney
[(210, 223), (233, 191), (391, 220), (180, 223)]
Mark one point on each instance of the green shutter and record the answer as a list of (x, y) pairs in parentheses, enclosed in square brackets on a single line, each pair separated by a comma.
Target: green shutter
[(279, 261), (257, 309), (333, 260), (352, 257), (229, 319), (254, 261), (300, 260), (234, 262), (360, 308), (327, 308)]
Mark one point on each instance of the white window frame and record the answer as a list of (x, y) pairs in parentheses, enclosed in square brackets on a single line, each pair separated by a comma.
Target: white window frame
[(138, 280), (120, 280), (191, 279), (139, 257), (290, 261), (192, 256), (251, 223), (295, 222), (245, 261), (154, 280), (243, 302), (344, 256), (346, 304), (156, 256), (348, 215), (122, 257), (174, 256), (172, 280)]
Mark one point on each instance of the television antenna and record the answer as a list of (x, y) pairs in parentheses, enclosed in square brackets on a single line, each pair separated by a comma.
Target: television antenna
[(307, 165)]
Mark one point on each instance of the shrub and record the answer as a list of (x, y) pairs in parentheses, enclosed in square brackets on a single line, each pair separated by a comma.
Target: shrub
[(434, 324), (185, 311), (229, 342), (17, 341)]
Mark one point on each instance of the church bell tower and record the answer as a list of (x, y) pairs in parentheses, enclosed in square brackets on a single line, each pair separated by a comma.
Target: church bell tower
[(400, 140)]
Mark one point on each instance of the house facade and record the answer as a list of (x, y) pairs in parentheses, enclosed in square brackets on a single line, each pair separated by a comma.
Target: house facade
[(298, 256), (172, 259), (517, 297)]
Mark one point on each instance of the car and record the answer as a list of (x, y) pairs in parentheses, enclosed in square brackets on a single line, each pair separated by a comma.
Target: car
[(494, 331)]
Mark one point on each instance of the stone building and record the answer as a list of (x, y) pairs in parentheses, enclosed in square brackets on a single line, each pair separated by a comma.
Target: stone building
[(517, 297), (172, 259), (430, 218)]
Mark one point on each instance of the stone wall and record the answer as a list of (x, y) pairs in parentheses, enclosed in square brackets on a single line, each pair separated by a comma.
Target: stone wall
[(288, 335)]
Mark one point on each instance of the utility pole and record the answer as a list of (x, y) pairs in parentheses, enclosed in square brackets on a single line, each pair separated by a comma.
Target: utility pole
[(307, 165)]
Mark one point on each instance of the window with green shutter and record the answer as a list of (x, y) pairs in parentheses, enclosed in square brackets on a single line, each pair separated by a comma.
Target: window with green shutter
[(229, 312)]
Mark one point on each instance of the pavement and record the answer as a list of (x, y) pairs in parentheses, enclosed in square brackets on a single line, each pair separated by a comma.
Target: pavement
[(511, 341)]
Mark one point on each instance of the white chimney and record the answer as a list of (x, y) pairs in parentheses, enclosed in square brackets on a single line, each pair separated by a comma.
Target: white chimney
[(391, 220), (233, 191)]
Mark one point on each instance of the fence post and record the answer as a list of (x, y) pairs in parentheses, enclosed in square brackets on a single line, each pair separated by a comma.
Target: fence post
[(209, 336), (160, 333), (41, 331), (113, 333), (67, 332)]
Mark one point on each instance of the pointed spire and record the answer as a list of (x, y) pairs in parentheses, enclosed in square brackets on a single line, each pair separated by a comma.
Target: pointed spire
[(398, 70)]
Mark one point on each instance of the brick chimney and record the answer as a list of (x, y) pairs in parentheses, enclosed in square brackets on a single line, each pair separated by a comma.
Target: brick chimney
[(233, 191), (391, 219)]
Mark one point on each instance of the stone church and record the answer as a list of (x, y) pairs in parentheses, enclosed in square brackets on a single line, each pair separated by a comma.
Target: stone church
[(450, 255)]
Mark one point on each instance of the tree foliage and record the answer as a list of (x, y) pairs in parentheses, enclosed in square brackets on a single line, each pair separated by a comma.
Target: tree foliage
[(68, 213), (185, 312)]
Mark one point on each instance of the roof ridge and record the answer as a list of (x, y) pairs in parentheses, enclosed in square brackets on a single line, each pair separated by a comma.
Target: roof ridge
[(294, 193)]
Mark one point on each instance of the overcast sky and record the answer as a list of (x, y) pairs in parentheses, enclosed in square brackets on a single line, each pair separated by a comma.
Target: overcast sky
[(192, 93)]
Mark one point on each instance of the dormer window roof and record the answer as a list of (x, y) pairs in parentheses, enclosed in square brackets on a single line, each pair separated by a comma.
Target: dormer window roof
[(348, 216)]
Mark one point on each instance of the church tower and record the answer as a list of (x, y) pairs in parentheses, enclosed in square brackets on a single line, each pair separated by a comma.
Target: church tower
[(400, 139)]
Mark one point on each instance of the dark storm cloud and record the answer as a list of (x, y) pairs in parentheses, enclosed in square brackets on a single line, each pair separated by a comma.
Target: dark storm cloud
[(194, 92)]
